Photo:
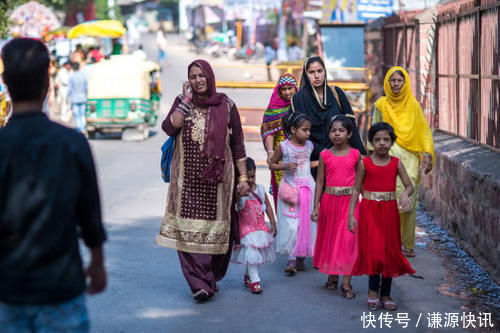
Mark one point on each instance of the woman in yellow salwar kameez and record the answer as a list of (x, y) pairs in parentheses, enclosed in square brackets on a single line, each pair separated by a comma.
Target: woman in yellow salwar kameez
[(414, 144)]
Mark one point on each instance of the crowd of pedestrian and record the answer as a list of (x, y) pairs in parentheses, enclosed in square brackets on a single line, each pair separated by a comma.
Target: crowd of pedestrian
[(320, 168), (215, 210)]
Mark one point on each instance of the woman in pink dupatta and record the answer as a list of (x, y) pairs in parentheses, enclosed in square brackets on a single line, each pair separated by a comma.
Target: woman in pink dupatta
[(272, 125), (199, 220)]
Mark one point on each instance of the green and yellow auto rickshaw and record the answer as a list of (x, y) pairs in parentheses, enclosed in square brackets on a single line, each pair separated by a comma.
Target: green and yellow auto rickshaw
[(123, 93)]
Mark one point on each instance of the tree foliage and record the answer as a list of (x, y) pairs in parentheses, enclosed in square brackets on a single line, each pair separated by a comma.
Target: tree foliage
[(169, 3)]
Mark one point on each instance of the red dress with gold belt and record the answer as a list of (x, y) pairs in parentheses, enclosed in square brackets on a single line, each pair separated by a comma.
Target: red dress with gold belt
[(379, 247)]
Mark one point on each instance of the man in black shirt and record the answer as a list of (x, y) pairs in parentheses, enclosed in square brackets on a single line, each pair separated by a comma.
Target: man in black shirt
[(48, 198)]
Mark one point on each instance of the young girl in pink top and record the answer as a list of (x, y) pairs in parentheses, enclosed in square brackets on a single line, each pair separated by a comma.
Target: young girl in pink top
[(256, 239)]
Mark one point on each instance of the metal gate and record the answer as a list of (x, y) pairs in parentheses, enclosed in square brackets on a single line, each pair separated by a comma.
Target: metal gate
[(468, 80)]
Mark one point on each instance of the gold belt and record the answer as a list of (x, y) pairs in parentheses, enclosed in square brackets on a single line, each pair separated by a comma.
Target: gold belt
[(339, 190), (379, 196)]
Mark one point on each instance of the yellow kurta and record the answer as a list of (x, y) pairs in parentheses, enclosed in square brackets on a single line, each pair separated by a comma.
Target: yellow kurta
[(414, 139)]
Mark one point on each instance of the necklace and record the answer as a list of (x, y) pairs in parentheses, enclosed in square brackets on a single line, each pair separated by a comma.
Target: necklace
[(258, 208)]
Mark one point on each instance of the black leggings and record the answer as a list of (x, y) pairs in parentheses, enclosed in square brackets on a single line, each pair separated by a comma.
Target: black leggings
[(385, 287)]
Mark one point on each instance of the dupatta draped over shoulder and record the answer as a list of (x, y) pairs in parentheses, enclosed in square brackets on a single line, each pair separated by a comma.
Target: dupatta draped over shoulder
[(217, 119), (404, 113), (307, 101)]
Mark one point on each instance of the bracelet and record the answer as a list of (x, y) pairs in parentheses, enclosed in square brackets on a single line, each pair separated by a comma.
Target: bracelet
[(270, 151), (242, 178), (428, 154)]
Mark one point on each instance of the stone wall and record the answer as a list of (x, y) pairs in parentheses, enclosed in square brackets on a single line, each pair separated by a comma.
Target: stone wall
[(374, 58), (463, 193)]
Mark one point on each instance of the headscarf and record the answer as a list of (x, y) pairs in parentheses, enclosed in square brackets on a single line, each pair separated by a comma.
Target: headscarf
[(307, 101), (277, 108), (216, 124), (404, 113)]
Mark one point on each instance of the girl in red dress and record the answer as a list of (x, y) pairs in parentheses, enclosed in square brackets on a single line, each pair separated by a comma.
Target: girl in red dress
[(379, 247)]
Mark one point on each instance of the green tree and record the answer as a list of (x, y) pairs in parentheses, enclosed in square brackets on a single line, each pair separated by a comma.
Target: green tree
[(102, 10), (170, 3)]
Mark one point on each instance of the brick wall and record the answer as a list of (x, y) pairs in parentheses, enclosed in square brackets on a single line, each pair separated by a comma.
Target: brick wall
[(374, 58), (463, 193), (425, 63)]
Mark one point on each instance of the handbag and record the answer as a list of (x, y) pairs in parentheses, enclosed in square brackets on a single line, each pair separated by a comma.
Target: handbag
[(167, 153), (288, 193)]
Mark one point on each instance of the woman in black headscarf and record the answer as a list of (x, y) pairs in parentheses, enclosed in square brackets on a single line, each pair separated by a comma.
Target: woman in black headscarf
[(320, 103)]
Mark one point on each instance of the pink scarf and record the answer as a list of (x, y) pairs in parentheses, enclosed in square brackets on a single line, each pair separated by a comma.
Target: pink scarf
[(304, 247)]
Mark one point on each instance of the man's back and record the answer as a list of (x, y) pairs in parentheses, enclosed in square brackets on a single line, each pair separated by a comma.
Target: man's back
[(77, 87), (48, 194)]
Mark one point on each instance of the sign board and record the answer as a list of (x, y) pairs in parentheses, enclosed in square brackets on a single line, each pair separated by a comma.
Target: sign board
[(355, 11)]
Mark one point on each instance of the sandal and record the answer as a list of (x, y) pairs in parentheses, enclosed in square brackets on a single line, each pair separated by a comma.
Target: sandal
[(247, 281), (201, 295), (348, 293), (373, 303), (410, 253), (255, 288), (291, 269), (332, 285), (389, 304), (300, 264)]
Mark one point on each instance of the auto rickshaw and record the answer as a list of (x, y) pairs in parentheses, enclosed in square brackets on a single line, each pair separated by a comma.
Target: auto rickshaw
[(123, 93)]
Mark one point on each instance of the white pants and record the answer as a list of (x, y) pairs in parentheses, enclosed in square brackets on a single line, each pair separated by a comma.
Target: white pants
[(253, 273)]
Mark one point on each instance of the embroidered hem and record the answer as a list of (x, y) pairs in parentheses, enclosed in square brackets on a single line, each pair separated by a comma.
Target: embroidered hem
[(189, 247)]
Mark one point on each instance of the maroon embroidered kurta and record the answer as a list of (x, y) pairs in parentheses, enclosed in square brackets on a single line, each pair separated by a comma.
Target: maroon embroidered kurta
[(198, 215)]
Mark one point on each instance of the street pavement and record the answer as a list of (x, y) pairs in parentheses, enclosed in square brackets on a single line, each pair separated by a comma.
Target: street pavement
[(147, 291)]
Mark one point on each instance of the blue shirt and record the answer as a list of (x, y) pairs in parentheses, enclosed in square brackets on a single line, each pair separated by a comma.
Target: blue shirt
[(78, 87)]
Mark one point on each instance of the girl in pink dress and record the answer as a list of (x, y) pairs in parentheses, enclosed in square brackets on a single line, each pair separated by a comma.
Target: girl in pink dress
[(256, 240), (336, 248)]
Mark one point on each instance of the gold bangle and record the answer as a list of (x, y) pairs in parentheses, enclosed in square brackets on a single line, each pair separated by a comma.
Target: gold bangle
[(242, 178)]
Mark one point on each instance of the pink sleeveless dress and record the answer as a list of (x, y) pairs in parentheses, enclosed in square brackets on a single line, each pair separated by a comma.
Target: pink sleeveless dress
[(336, 247)]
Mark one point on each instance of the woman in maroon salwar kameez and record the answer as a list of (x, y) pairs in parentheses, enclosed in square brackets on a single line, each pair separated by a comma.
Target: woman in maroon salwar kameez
[(200, 206)]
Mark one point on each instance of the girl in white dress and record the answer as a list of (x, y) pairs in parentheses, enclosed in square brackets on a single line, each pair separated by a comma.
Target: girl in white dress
[(296, 232)]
